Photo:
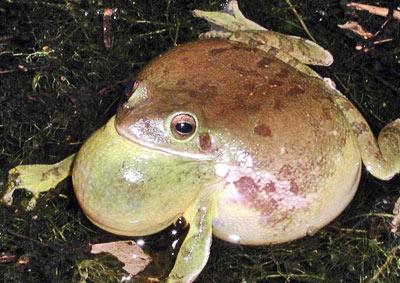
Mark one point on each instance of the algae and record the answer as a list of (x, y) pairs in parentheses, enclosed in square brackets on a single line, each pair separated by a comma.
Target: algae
[(58, 83)]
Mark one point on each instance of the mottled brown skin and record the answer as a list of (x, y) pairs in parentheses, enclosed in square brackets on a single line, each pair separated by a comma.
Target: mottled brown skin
[(230, 86), (234, 87), (253, 107)]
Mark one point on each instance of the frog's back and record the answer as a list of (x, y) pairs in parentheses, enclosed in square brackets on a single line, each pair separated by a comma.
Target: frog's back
[(293, 162)]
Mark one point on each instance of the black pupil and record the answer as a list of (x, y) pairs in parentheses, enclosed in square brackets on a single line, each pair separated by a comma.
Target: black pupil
[(184, 128)]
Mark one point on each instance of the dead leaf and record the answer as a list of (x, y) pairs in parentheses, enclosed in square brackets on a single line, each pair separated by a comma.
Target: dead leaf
[(127, 252), (357, 29), (375, 10)]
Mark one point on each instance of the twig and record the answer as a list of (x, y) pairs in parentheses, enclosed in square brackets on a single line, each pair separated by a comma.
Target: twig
[(371, 39), (3, 72), (380, 11), (383, 267), (22, 68), (107, 12), (15, 234), (300, 20), (357, 29)]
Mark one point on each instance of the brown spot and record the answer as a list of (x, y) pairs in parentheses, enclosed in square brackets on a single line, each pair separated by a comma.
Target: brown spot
[(253, 43), (295, 90), (264, 62), (266, 207), (193, 93), (244, 72), (359, 128), (275, 83), (347, 105), (181, 83), (249, 87), (270, 187), (246, 186), (294, 188), (205, 142), (250, 191), (216, 51), (237, 34), (147, 124), (208, 89), (286, 171), (241, 48), (242, 102), (283, 73), (53, 171), (326, 113), (263, 130), (278, 105)]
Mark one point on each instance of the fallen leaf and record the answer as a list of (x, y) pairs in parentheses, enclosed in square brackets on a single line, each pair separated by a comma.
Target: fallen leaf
[(127, 252), (380, 11), (7, 257), (357, 29)]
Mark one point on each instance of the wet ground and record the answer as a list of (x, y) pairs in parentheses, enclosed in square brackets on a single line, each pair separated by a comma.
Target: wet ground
[(58, 83)]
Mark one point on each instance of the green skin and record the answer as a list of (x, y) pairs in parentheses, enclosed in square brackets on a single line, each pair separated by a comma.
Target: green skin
[(136, 187), (135, 177)]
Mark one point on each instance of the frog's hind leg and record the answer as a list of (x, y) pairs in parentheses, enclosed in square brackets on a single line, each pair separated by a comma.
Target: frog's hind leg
[(381, 157), (36, 179), (244, 37), (231, 24)]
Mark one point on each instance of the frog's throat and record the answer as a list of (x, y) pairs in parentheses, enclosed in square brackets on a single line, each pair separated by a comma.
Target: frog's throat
[(189, 155)]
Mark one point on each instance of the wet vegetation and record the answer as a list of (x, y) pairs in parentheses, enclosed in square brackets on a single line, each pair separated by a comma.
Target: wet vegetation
[(58, 83)]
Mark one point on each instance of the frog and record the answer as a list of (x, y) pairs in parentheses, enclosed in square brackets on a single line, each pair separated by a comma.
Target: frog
[(234, 133)]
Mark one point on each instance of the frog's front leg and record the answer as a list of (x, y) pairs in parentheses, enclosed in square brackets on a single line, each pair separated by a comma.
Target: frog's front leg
[(381, 157), (195, 249), (36, 179)]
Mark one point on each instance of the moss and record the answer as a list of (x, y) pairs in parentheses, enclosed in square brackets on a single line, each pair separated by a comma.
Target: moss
[(58, 83)]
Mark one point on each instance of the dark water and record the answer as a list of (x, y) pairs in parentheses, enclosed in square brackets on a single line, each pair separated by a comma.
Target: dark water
[(58, 83)]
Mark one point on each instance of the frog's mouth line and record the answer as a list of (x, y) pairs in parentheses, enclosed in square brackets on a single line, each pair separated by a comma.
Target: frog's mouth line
[(193, 156)]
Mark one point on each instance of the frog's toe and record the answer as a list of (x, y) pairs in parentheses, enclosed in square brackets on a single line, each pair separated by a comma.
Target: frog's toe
[(389, 144), (32, 203), (215, 34), (36, 178), (229, 19), (7, 197)]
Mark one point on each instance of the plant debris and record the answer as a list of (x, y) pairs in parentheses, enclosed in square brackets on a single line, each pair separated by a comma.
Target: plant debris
[(371, 39), (375, 10), (127, 252)]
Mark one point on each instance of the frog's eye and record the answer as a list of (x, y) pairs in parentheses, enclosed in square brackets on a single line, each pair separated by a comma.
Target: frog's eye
[(183, 126)]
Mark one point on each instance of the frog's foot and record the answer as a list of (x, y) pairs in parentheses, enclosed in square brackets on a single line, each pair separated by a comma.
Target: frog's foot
[(381, 157), (245, 37), (389, 144), (231, 24), (36, 179), (229, 19), (195, 249), (396, 216)]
